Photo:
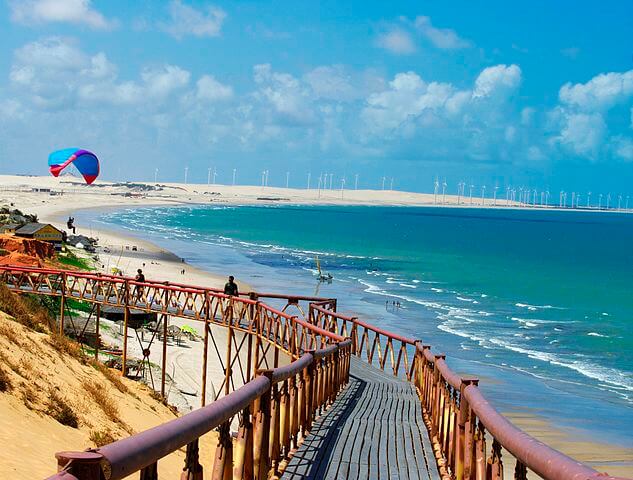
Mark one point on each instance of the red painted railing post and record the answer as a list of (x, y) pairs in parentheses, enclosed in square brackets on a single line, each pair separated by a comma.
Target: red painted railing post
[(261, 460), (82, 465)]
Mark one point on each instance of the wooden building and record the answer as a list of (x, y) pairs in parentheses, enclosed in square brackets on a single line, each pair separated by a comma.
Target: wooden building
[(44, 232)]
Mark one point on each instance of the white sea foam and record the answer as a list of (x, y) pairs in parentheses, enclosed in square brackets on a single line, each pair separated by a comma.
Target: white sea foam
[(537, 307), (596, 334), (406, 285), (610, 376)]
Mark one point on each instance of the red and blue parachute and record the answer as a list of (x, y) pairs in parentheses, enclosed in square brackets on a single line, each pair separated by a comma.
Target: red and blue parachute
[(86, 162)]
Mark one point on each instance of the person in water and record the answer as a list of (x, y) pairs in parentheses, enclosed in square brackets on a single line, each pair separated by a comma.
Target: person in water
[(230, 288)]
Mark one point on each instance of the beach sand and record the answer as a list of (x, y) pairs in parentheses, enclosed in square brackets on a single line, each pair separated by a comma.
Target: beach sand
[(163, 265)]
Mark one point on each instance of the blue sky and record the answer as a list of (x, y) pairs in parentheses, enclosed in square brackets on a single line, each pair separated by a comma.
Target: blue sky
[(536, 94)]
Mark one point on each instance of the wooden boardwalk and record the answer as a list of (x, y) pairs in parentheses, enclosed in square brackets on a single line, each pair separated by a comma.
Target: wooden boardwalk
[(374, 430)]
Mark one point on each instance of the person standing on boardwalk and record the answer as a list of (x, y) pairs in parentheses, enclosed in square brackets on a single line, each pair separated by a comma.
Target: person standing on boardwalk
[(230, 288), (138, 289)]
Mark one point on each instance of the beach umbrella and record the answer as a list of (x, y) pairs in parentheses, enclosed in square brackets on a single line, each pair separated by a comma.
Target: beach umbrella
[(188, 329)]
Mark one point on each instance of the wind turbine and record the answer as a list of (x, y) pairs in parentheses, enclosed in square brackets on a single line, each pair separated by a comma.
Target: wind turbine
[(383, 182), (573, 199), (356, 182), (287, 179), (331, 176), (483, 194), (156, 176), (588, 199), (437, 187), (342, 186), (391, 184), (263, 179), (600, 202), (495, 194), (459, 192), (215, 174), (444, 185), (608, 200), (619, 202), (319, 187), (547, 197), (627, 203), (208, 176), (186, 172), (234, 174), (471, 193), (308, 180)]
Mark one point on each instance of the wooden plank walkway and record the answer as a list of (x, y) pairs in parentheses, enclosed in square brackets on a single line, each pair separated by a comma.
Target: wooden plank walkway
[(374, 430)]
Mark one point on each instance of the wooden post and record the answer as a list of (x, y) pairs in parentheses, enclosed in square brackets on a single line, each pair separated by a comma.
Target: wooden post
[(126, 313), (97, 342), (193, 469), (261, 460), (203, 400), (273, 446), (243, 455), (62, 307), (164, 369), (227, 366), (222, 465)]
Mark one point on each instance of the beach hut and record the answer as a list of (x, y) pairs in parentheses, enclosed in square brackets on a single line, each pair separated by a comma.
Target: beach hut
[(44, 232)]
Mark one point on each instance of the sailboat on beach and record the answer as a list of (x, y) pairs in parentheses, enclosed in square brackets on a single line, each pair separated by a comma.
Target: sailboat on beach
[(322, 276)]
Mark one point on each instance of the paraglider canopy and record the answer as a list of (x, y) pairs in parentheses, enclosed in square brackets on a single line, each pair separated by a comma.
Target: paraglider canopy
[(86, 162)]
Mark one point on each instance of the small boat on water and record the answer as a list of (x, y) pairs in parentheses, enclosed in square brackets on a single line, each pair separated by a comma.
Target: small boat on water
[(322, 276)]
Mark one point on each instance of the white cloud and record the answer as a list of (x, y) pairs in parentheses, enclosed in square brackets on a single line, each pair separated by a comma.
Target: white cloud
[(186, 20), (55, 73), (396, 41), (78, 12), (209, 89), (444, 38), (600, 93), (341, 84), (410, 100), (498, 80), (161, 82), (289, 99), (583, 133)]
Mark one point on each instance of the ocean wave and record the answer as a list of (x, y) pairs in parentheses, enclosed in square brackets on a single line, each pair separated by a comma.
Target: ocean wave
[(596, 334), (537, 307), (607, 375), (406, 285)]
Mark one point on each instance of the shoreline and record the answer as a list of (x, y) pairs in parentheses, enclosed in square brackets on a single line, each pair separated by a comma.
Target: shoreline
[(602, 455)]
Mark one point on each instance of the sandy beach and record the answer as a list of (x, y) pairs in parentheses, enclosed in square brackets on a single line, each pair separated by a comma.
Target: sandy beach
[(53, 200)]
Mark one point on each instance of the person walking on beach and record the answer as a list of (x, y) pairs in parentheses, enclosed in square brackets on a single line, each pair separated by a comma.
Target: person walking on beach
[(230, 288)]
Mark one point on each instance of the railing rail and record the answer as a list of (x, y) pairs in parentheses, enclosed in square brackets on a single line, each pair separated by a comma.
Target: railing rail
[(277, 406)]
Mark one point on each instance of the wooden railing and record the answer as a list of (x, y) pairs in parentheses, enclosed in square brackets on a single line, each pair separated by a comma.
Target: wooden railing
[(276, 406), (458, 417)]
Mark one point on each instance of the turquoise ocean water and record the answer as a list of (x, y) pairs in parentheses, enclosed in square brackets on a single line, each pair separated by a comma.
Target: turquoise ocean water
[(537, 303)]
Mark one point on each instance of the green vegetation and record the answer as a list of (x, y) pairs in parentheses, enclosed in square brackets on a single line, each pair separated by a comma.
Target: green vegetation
[(72, 260)]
